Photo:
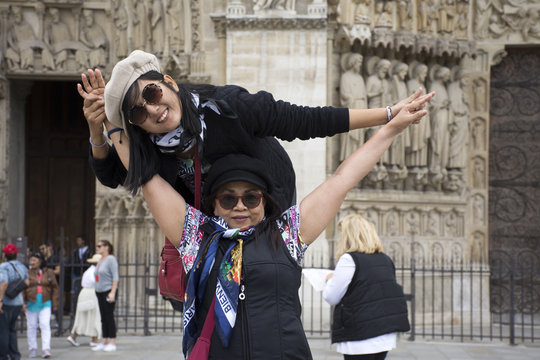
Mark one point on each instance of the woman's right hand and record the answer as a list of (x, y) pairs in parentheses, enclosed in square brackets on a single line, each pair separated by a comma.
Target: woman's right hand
[(92, 91)]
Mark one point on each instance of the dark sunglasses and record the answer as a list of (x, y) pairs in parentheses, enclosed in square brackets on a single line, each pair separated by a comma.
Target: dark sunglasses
[(250, 200), (151, 94)]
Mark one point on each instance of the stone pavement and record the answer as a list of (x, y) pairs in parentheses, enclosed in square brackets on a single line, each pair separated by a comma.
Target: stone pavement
[(168, 347)]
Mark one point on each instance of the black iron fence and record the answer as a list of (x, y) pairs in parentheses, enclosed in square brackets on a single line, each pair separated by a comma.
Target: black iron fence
[(448, 302)]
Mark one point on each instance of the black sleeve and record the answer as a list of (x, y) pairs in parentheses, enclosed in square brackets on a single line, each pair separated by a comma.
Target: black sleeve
[(262, 116), (109, 171)]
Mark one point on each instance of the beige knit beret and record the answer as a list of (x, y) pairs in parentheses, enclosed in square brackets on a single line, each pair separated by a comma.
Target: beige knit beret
[(124, 74)]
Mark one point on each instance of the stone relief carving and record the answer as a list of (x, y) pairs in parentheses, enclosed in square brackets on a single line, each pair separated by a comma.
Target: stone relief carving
[(23, 44), (352, 91), (441, 120), (480, 94), (447, 15), (93, 36), (437, 255), (398, 91), (461, 22), (426, 10), (477, 247), (273, 4), (140, 25), (404, 14), (121, 22), (479, 172), (456, 254), (432, 223), (362, 12), (392, 224), (395, 251), (175, 14), (478, 209), (418, 254), (417, 153), (459, 128), (507, 17), (59, 38), (479, 134), (157, 26)]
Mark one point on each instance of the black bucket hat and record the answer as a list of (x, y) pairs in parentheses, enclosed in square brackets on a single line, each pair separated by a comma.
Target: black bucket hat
[(237, 167)]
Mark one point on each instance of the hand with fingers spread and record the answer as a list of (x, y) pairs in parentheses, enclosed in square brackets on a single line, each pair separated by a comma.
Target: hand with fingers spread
[(92, 91)]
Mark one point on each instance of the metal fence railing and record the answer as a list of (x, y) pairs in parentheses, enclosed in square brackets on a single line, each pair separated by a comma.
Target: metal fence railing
[(457, 302)]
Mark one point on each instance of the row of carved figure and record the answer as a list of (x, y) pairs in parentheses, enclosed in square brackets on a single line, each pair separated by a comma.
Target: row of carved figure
[(435, 146), (443, 17), (62, 34), (446, 17), (56, 42)]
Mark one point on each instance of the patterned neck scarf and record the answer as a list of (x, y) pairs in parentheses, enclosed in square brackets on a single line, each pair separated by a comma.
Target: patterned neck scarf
[(227, 286)]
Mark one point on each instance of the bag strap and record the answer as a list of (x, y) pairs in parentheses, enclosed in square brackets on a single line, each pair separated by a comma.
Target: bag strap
[(197, 178), (209, 322), (17, 271)]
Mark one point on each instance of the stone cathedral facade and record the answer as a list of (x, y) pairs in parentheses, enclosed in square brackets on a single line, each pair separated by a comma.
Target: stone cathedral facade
[(429, 196)]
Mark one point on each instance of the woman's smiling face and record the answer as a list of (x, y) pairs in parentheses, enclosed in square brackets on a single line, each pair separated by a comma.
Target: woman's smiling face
[(165, 115)]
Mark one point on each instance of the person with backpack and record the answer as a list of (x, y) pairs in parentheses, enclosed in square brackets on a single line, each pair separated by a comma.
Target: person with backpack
[(11, 272)]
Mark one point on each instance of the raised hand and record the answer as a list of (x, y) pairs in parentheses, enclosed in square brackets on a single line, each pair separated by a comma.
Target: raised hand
[(92, 91)]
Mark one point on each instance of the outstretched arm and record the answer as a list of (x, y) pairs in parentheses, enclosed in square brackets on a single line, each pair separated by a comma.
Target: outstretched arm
[(167, 206), (362, 118), (322, 204)]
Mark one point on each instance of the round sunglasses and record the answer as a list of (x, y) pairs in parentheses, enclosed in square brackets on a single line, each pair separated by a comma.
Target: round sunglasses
[(151, 94), (250, 200)]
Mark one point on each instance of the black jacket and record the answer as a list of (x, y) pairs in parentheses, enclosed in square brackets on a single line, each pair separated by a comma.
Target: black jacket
[(268, 324), (247, 124), (79, 262), (374, 303)]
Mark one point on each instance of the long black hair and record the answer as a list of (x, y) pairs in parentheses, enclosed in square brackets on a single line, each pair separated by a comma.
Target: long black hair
[(144, 160)]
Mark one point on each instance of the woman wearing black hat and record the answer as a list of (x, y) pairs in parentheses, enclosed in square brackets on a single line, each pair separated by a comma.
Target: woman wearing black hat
[(244, 260)]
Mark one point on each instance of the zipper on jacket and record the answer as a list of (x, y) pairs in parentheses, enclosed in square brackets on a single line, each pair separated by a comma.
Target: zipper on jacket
[(245, 327)]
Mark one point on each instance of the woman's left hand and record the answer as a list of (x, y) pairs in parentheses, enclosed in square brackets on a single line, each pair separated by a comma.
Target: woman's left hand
[(411, 113), (396, 108), (111, 296)]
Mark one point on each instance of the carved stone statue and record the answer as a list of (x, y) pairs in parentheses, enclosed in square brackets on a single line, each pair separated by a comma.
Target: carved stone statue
[(459, 129), (479, 91), (175, 15), (460, 25), (272, 4), (426, 12), (378, 90), (58, 37), (352, 93), (478, 134), (19, 54), (478, 209), (157, 26), (21, 42), (479, 172), (121, 22), (384, 11), (140, 27), (447, 14), (94, 37), (399, 91), (482, 19), (440, 120), (404, 14), (417, 154), (362, 13)]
